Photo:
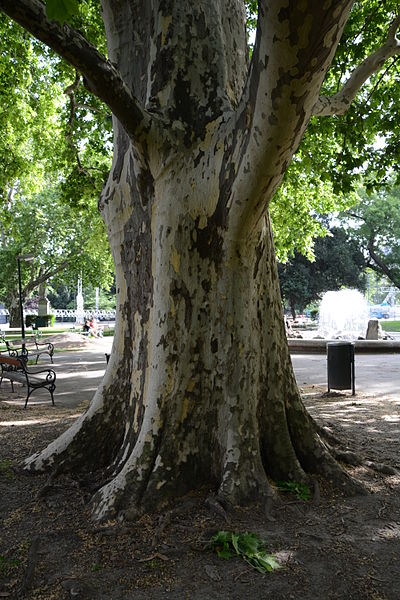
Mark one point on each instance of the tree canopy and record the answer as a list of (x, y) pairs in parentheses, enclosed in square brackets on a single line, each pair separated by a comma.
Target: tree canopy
[(338, 263), (66, 243), (55, 153), (334, 155), (357, 142), (374, 225)]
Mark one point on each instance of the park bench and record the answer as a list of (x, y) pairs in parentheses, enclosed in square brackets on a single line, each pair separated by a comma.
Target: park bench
[(14, 368), (33, 349)]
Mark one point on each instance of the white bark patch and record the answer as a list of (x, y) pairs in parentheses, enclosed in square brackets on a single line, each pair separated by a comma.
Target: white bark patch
[(47, 457)]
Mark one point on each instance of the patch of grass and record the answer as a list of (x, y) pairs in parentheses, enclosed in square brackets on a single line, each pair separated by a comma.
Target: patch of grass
[(390, 325), (300, 490), (246, 545), (6, 469), (8, 566)]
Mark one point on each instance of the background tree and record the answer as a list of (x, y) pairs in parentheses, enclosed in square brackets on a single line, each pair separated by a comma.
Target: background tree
[(50, 132), (374, 224), (338, 262), (65, 242), (29, 117), (199, 389), (62, 295), (358, 144)]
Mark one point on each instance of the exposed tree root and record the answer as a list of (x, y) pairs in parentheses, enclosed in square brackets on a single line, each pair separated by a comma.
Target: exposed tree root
[(216, 507), (31, 563), (346, 456), (381, 468), (352, 458), (326, 433)]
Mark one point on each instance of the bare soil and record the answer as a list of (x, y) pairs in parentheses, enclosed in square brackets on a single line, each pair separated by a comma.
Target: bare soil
[(328, 547)]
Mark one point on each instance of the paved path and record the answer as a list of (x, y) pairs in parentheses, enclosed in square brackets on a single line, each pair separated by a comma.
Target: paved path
[(374, 373), (78, 374)]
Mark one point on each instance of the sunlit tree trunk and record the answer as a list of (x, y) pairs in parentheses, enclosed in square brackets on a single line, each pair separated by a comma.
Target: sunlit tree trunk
[(200, 390)]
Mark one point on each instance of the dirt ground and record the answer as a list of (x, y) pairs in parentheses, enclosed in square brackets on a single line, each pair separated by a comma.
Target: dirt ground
[(328, 547)]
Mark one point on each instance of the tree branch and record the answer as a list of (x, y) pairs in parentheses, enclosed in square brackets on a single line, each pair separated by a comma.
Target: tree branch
[(44, 276), (354, 216), (381, 266), (70, 91), (284, 82), (100, 75), (339, 103)]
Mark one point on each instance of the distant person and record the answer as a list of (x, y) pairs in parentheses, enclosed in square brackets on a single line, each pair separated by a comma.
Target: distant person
[(86, 327), (95, 329)]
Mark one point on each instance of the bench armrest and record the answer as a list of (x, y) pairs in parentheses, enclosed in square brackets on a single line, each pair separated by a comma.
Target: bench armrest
[(51, 375), (17, 351), (48, 345)]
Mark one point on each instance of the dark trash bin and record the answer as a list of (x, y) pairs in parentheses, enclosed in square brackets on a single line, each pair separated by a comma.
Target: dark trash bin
[(340, 358)]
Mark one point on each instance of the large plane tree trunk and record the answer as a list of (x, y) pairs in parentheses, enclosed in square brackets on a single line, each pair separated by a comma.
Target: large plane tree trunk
[(199, 391)]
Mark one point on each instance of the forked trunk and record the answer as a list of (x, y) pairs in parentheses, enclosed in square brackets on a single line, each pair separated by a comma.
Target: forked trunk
[(199, 391)]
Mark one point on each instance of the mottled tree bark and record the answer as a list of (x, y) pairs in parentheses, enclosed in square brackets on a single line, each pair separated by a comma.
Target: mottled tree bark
[(14, 310), (200, 389)]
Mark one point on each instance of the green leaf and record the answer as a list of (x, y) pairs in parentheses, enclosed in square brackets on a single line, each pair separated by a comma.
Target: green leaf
[(268, 562), (235, 542), (301, 490), (225, 553), (61, 10), (247, 545), (221, 537)]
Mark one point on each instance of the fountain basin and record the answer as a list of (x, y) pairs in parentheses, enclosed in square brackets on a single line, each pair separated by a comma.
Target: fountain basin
[(302, 346)]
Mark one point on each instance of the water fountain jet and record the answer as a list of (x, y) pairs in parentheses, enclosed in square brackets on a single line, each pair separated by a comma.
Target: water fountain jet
[(343, 315)]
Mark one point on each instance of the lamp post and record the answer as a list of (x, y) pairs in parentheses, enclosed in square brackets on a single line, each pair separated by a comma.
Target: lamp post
[(26, 258)]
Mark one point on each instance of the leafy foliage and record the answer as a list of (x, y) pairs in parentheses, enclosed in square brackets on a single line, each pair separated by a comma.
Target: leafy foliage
[(300, 490), (374, 226), (337, 153), (55, 149), (375, 111), (30, 111), (61, 10), (247, 545), (338, 262), (66, 243)]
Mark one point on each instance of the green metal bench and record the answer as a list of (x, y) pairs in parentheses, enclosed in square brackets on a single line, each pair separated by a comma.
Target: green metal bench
[(30, 348), (15, 369)]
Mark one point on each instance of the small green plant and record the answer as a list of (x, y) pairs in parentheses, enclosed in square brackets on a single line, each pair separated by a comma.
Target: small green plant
[(96, 567), (246, 545), (8, 566), (6, 468), (300, 490)]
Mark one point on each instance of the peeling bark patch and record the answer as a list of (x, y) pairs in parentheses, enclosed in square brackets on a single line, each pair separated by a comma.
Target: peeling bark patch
[(179, 290), (209, 242)]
